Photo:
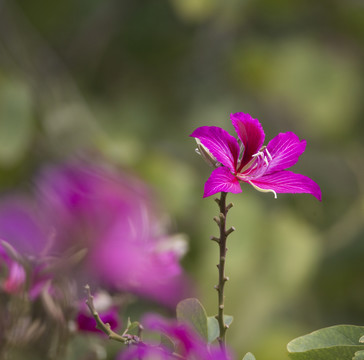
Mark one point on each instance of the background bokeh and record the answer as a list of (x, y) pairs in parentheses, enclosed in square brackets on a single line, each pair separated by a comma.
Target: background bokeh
[(127, 81)]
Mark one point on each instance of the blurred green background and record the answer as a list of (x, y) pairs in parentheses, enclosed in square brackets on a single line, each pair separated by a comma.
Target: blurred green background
[(127, 81)]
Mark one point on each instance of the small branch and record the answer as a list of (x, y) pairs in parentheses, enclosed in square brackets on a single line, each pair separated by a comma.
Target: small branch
[(229, 206), (214, 238), (105, 328), (228, 232)]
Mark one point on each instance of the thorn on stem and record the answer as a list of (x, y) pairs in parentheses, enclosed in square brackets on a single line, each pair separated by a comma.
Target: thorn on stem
[(221, 306), (214, 238), (217, 200), (222, 217), (229, 231), (229, 206), (217, 220)]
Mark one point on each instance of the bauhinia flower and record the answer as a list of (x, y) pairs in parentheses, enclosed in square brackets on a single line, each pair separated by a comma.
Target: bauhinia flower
[(246, 159)]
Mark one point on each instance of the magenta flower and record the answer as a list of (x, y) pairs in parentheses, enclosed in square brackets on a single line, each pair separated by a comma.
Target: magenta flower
[(113, 216), (188, 343), (247, 160), (81, 206)]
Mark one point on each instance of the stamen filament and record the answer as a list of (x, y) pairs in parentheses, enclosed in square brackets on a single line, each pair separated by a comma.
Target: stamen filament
[(268, 153), (263, 190)]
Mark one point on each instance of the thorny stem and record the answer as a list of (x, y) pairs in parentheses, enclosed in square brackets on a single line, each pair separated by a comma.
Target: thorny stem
[(105, 328), (221, 222)]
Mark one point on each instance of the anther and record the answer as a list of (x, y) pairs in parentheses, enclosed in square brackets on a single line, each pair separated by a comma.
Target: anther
[(259, 153)]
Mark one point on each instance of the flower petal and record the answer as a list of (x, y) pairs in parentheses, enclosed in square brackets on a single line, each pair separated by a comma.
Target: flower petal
[(250, 132), (288, 182), (221, 179), (285, 149), (220, 143)]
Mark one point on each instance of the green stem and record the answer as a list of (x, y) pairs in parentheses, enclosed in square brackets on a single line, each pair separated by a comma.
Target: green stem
[(221, 222), (106, 328)]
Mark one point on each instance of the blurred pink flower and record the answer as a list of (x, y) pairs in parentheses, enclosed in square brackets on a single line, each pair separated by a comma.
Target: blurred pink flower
[(247, 160), (22, 225), (112, 215), (114, 218), (188, 343)]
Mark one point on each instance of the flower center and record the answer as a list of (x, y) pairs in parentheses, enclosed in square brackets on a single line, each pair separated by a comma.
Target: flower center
[(258, 165), (263, 154)]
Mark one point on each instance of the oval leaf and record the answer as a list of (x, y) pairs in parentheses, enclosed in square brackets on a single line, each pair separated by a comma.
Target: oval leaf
[(192, 312), (339, 342), (249, 356), (213, 330)]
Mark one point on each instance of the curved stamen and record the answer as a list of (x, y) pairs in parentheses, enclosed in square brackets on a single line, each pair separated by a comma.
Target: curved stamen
[(263, 190), (268, 153)]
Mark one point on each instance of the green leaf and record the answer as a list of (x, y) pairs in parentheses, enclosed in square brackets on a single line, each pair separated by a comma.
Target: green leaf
[(359, 355), (167, 342), (192, 312), (339, 342), (133, 325), (213, 330), (228, 319), (249, 356)]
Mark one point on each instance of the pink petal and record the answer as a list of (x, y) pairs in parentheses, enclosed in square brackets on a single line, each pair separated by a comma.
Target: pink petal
[(221, 179), (220, 143), (285, 149), (16, 278), (288, 182), (250, 132)]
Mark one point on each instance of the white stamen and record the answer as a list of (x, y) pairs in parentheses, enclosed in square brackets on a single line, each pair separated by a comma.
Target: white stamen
[(269, 155), (266, 160), (259, 153), (263, 190)]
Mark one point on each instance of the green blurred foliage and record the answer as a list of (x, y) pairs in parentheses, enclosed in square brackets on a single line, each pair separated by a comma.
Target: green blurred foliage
[(128, 81)]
